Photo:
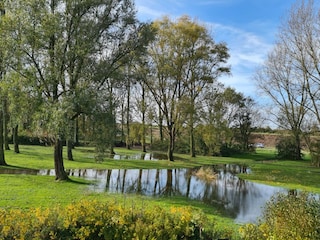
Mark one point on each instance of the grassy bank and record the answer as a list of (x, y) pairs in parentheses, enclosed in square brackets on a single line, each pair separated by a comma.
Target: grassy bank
[(27, 191), (265, 168), (31, 191)]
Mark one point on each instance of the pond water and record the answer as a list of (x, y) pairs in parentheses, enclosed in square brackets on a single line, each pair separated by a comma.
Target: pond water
[(140, 156), (215, 185)]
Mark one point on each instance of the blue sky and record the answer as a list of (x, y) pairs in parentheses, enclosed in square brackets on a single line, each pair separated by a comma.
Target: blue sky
[(249, 28)]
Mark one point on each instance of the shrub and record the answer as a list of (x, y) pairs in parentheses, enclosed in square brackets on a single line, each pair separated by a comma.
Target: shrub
[(182, 146), (227, 151), (97, 220), (291, 216), (159, 145), (287, 149)]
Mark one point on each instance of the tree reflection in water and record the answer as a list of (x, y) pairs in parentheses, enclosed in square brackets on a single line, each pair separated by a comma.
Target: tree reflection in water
[(243, 200)]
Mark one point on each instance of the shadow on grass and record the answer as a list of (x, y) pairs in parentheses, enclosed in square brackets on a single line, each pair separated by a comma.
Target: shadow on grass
[(79, 181), (260, 156), (16, 168)]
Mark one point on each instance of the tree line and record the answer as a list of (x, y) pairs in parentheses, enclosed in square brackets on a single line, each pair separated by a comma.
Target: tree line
[(89, 69)]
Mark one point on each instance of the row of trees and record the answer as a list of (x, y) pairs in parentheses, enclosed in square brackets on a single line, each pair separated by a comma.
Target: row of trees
[(290, 76), (92, 60), (57, 57)]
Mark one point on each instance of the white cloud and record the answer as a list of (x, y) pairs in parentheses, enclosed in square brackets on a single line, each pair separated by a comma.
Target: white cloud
[(247, 52), (147, 13)]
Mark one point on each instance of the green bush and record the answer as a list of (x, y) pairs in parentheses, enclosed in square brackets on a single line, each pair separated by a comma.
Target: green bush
[(97, 220), (287, 149), (227, 151), (182, 146), (287, 217), (159, 145), (201, 146)]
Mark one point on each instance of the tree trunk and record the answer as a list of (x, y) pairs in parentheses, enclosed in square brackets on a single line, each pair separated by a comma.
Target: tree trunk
[(192, 144), (122, 123), (160, 126), (143, 121), (128, 116), (144, 149), (15, 139), (112, 148), (58, 161), (151, 134), (171, 144), (76, 132), (69, 149), (2, 158), (298, 147), (69, 140), (191, 125), (5, 124)]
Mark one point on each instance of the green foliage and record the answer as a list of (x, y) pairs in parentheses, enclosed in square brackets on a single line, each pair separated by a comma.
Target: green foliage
[(136, 132), (101, 220), (288, 149), (201, 146), (103, 134), (158, 145), (291, 216), (315, 153), (182, 146), (227, 151)]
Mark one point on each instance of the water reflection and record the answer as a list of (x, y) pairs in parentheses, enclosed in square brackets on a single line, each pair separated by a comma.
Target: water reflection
[(243, 200), (140, 156)]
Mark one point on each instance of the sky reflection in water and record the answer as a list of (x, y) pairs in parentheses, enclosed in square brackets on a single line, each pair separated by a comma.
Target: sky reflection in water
[(243, 200)]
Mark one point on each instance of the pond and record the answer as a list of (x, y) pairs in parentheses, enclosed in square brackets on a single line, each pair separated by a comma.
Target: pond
[(215, 185), (140, 156)]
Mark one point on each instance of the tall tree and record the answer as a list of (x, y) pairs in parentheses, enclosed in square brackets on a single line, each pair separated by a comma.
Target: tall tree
[(59, 43), (284, 83), (199, 63), (3, 67), (300, 35), (164, 88), (183, 60), (225, 119), (243, 122)]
